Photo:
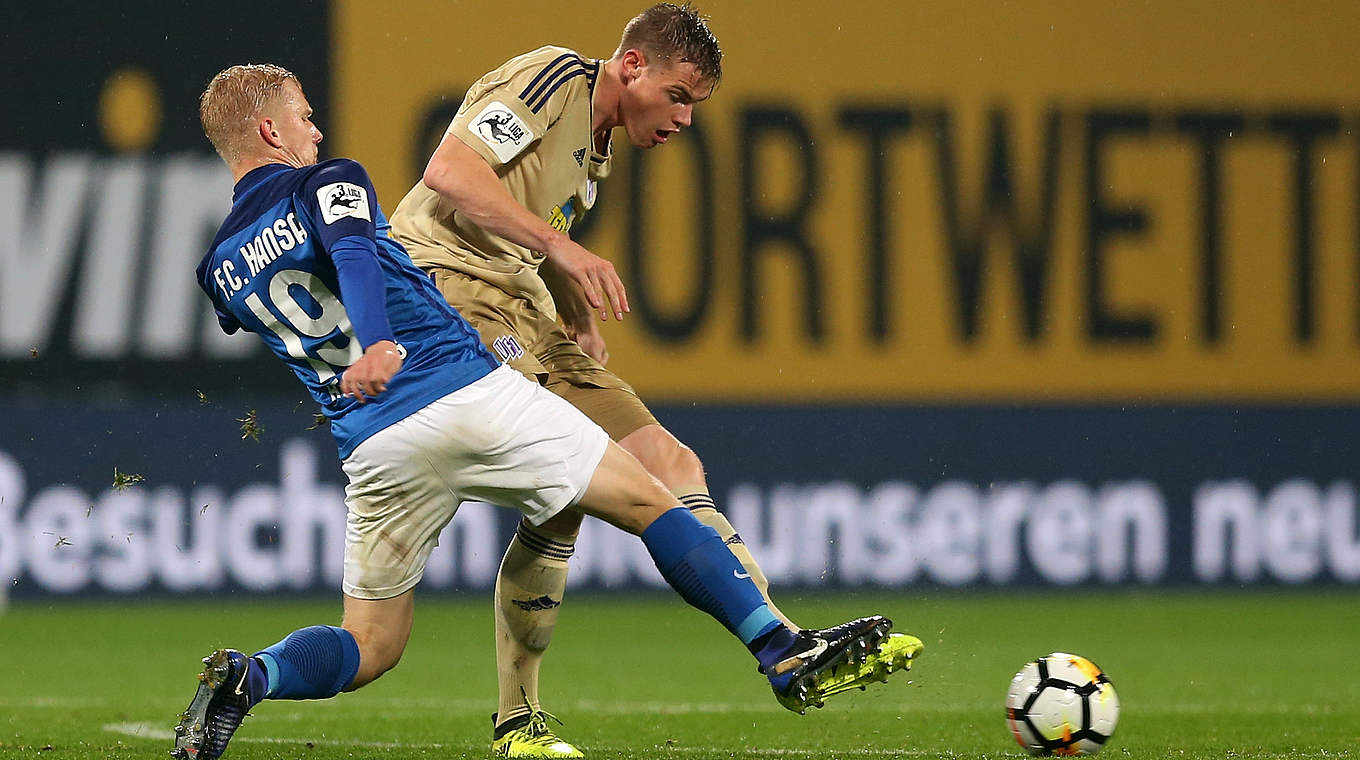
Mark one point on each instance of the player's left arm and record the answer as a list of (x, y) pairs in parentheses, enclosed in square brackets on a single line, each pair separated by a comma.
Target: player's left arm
[(345, 210), (225, 319)]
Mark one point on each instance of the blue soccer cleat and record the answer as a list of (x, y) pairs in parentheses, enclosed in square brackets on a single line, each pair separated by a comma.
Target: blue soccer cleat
[(224, 696), (833, 660)]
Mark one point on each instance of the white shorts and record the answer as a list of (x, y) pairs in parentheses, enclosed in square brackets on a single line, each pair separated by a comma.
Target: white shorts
[(503, 440)]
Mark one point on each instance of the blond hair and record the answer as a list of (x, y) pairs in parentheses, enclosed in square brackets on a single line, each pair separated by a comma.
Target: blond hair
[(234, 98)]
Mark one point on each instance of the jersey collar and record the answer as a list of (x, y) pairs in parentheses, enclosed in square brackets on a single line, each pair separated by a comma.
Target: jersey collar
[(592, 76), (254, 178)]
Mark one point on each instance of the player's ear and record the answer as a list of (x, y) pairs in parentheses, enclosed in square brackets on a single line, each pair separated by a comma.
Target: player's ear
[(269, 132), (633, 62)]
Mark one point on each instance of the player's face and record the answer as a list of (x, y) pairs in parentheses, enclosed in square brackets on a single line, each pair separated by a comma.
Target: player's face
[(660, 101), (293, 122)]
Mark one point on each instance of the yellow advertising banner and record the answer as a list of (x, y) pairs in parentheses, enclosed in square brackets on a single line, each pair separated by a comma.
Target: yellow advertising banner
[(977, 201)]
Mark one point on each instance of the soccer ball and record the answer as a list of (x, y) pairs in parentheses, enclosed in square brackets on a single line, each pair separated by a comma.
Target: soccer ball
[(1061, 704)]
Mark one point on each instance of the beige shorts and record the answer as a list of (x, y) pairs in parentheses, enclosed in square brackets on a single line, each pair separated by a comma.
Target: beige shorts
[(523, 337), (502, 440)]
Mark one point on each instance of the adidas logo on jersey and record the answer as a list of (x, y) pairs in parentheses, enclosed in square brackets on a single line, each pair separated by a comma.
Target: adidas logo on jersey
[(507, 348), (580, 156)]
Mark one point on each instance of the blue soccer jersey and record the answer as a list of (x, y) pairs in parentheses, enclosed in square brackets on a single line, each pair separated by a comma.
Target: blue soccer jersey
[(272, 270)]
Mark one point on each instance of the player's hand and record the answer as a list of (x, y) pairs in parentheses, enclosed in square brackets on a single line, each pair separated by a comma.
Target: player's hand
[(369, 376), (590, 340), (596, 276)]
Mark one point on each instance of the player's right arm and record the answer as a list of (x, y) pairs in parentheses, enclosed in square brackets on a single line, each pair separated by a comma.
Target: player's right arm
[(464, 179), (577, 319)]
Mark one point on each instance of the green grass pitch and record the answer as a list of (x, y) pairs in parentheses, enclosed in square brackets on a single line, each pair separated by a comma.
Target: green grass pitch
[(1200, 674)]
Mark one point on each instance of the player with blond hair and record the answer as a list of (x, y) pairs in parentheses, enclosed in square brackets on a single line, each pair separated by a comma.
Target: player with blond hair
[(424, 417)]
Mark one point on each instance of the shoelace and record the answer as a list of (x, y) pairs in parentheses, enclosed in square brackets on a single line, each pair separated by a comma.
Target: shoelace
[(538, 725), (537, 728)]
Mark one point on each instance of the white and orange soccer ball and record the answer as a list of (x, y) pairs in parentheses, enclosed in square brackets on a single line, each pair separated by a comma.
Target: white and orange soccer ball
[(1061, 704)]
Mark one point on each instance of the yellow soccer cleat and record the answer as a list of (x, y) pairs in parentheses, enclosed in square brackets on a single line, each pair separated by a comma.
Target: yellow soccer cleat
[(530, 736), (895, 652), (849, 656)]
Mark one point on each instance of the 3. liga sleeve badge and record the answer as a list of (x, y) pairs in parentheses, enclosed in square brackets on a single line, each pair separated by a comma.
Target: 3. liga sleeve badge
[(339, 200), (502, 130)]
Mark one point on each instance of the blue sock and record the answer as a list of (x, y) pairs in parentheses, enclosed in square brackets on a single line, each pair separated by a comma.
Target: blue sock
[(695, 561), (311, 663)]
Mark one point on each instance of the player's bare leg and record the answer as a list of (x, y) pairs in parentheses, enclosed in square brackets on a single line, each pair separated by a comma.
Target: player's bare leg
[(529, 589), (804, 667), (316, 662), (676, 465), (381, 628), (530, 572), (532, 580), (679, 468)]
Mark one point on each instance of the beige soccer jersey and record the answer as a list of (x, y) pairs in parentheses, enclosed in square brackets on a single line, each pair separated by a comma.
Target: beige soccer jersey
[(531, 120)]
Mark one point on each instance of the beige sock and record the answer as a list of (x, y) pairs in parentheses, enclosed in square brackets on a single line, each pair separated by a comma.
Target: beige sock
[(701, 506), (529, 588)]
